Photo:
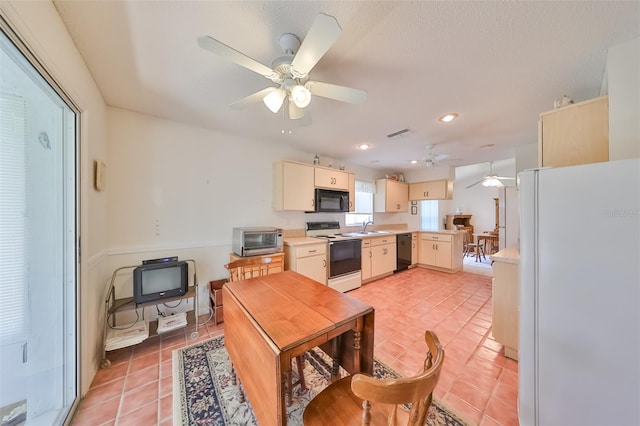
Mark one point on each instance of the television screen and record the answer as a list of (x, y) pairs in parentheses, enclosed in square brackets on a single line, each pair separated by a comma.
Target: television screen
[(157, 281)]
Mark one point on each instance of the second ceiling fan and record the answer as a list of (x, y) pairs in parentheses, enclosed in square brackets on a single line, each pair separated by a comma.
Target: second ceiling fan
[(491, 179), (290, 71)]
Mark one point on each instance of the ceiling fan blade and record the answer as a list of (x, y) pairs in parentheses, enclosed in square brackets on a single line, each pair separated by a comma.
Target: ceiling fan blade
[(324, 31), (231, 54), (338, 93), (253, 98), (474, 184)]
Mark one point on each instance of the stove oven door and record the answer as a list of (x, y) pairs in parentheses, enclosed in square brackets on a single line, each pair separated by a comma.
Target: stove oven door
[(344, 257)]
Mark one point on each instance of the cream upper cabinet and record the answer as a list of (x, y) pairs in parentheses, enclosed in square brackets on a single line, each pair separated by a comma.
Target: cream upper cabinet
[(309, 260), (391, 196), (293, 186), (442, 251), (432, 190), (352, 192), (329, 178), (575, 134)]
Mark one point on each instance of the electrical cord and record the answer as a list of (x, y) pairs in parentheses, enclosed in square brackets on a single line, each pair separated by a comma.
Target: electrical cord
[(130, 325)]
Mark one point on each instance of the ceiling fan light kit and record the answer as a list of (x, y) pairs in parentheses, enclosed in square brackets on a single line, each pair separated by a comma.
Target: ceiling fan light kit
[(491, 180), (274, 99), (291, 70)]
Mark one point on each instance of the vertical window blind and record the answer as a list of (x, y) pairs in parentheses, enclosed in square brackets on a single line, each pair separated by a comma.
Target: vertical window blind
[(12, 216)]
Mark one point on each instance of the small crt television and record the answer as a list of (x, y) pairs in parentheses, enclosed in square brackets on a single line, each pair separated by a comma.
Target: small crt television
[(160, 279)]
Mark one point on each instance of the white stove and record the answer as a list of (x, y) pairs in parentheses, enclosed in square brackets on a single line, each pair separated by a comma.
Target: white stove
[(344, 255), (326, 230)]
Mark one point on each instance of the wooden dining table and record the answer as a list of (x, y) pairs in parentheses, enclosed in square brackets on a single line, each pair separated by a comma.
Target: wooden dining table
[(270, 320), (487, 240)]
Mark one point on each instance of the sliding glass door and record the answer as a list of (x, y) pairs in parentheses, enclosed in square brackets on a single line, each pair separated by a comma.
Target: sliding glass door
[(38, 234)]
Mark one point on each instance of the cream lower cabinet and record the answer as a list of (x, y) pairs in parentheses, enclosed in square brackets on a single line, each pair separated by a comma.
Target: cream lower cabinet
[(309, 260), (378, 257), (506, 306), (414, 248), (442, 251), (366, 259)]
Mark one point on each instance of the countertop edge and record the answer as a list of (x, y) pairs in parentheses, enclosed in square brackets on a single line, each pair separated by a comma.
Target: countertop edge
[(507, 255)]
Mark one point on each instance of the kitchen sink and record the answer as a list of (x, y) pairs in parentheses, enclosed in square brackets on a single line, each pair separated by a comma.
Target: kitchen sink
[(360, 234)]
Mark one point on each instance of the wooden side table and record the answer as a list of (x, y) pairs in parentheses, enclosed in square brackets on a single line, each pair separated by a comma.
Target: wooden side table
[(215, 295)]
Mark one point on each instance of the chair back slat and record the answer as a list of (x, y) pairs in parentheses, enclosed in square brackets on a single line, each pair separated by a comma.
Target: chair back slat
[(417, 390), (243, 269)]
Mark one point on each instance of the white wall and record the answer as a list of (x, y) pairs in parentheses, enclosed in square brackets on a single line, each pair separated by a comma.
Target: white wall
[(176, 189), (40, 27), (623, 82)]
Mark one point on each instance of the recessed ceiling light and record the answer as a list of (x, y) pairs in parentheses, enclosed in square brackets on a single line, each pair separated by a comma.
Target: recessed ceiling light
[(414, 161), (448, 117), (364, 146)]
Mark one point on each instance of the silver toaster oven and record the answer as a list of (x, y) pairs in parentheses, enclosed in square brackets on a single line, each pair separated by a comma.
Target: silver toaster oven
[(257, 241)]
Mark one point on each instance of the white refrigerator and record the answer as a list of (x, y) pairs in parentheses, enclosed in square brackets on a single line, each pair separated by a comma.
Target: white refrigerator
[(579, 354), (508, 217)]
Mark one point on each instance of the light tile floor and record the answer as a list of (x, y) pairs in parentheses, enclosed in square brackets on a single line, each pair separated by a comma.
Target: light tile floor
[(477, 381)]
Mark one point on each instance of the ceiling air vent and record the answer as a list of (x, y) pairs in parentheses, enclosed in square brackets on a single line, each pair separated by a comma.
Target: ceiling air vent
[(398, 133)]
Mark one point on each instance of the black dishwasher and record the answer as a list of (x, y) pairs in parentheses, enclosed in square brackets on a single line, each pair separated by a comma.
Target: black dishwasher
[(403, 244)]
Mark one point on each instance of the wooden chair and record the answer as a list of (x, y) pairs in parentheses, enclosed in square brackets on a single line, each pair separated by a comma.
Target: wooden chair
[(468, 246), (246, 268), (360, 398)]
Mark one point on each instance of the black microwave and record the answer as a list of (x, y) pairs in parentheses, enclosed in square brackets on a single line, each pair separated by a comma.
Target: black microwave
[(328, 200)]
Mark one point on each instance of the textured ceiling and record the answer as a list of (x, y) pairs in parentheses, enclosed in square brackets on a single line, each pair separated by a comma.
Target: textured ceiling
[(498, 64)]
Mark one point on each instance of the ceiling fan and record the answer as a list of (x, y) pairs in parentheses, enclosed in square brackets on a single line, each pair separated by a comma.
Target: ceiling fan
[(491, 179), (431, 159), (290, 72)]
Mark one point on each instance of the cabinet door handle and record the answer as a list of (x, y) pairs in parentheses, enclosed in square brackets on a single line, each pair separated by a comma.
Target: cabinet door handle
[(324, 263), (384, 251), (312, 251), (370, 254), (313, 202)]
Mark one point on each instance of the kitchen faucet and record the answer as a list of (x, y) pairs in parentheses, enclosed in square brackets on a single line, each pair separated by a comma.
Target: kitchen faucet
[(364, 226)]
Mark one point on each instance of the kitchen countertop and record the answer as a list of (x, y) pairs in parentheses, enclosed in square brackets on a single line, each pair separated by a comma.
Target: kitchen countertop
[(507, 255), (298, 241)]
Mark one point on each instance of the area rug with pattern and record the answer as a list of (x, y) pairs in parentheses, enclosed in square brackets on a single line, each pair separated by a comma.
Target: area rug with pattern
[(204, 395)]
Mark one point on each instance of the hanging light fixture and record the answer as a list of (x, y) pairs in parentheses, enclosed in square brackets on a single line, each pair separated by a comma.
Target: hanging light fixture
[(301, 96), (295, 112), (274, 99), (492, 181)]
